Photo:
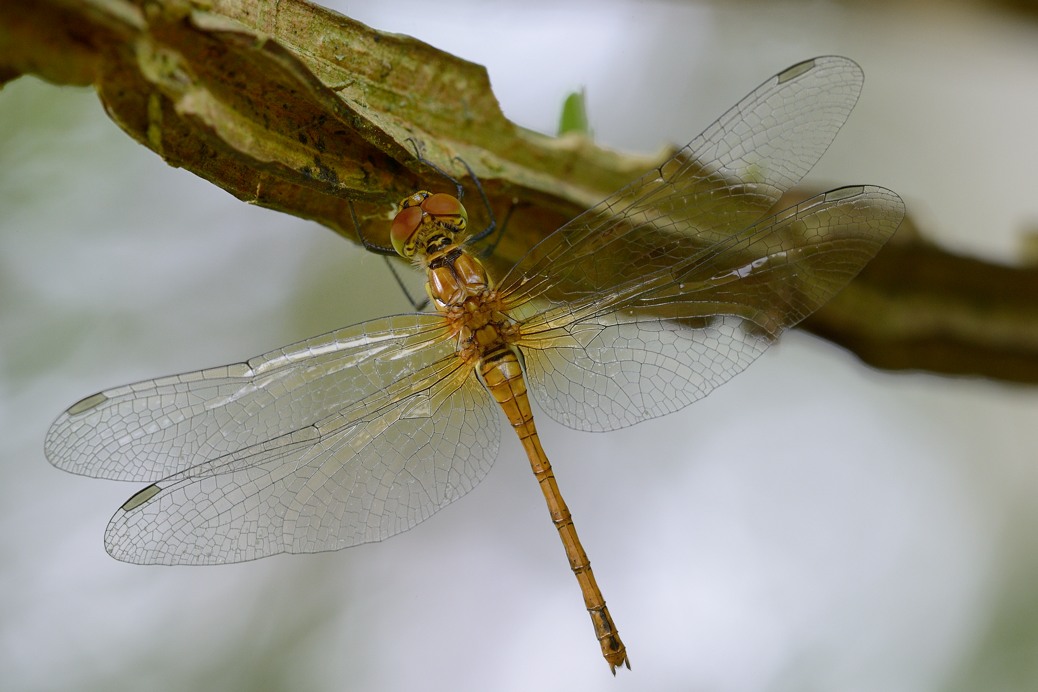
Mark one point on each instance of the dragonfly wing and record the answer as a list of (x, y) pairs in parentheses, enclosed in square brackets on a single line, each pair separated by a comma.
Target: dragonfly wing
[(362, 475), (655, 344), (342, 439), (721, 182), (153, 429)]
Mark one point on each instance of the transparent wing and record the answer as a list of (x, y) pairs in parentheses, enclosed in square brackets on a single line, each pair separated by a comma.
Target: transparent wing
[(342, 439), (150, 430), (721, 182), (655, 343)]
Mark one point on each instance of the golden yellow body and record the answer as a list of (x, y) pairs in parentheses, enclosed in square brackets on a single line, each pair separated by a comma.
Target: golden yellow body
[(460, 289)]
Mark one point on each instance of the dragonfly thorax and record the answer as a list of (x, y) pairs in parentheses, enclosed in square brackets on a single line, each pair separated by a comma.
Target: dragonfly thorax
[(456, 277), (427, 224), (461, 290)]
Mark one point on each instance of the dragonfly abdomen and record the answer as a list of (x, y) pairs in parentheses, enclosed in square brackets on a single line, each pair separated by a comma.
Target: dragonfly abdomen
[(502, 374)]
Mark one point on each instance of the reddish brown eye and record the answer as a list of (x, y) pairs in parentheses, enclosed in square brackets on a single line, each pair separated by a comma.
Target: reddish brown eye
[(405, 223), (448, 212), (442, 204)]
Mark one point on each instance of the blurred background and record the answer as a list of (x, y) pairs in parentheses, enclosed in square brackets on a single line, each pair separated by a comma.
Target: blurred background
[(813, 525)]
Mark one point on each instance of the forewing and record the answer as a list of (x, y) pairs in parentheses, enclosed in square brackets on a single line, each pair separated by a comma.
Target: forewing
[(656, 343), (720, 183), (153, 429)]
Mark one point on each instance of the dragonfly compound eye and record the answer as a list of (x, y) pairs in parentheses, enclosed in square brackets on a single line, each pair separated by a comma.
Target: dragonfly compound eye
[(404, 229), (447, 211)]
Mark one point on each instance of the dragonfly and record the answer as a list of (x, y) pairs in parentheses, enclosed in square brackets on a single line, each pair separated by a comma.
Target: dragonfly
[(634, 309)]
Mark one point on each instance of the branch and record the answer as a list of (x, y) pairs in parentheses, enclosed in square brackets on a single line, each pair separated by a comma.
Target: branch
[(294, 107), (918, 307)]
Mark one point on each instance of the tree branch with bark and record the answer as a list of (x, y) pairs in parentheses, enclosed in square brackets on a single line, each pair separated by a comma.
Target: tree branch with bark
[(297, 108)]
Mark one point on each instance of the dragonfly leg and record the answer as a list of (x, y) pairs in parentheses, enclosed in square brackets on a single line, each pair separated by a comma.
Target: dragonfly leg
[(487, 251), (491, 219), (368, 244), (418, 305)]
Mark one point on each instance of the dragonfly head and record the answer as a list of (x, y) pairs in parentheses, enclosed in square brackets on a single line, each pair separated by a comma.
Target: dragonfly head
[(427, 222)]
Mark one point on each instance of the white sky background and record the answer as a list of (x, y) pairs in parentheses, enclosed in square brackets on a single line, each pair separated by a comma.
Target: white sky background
[(811, 525)]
